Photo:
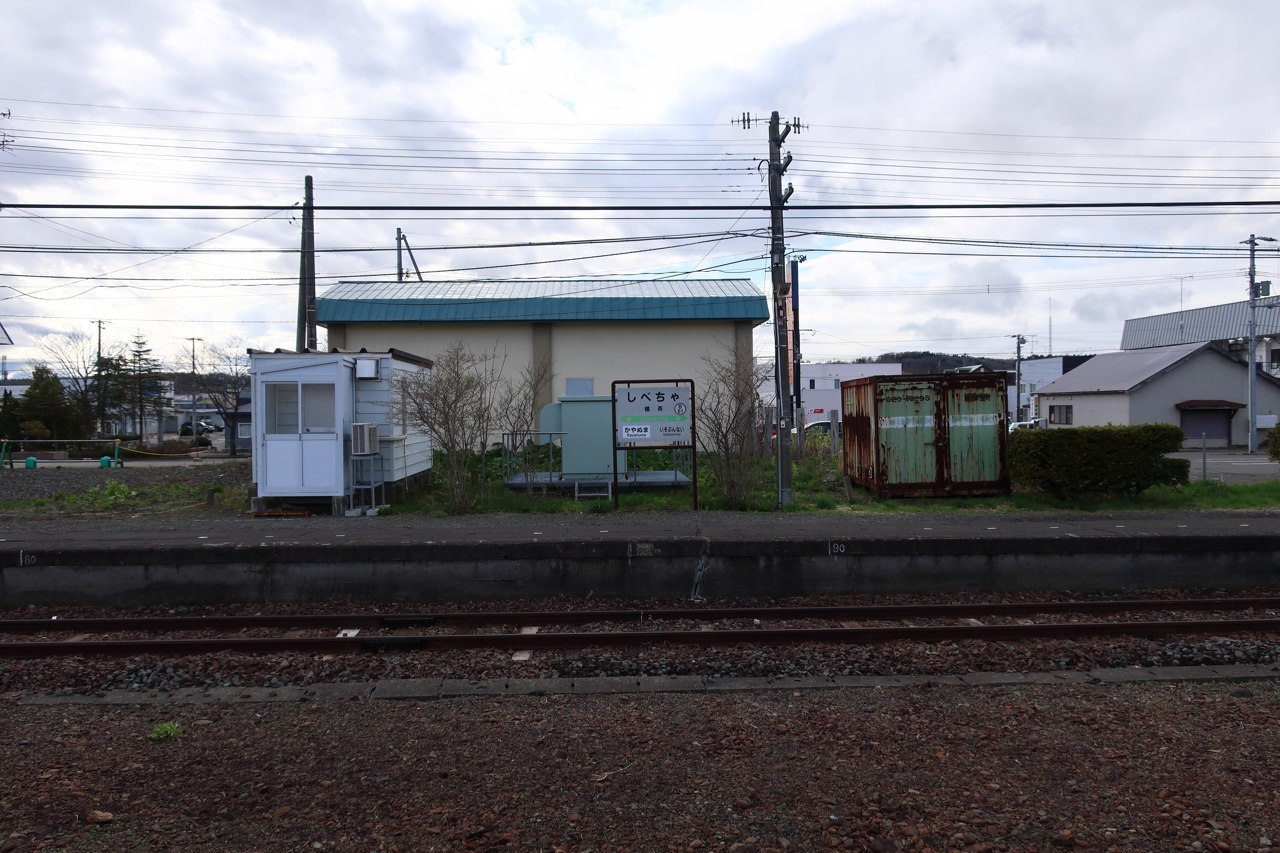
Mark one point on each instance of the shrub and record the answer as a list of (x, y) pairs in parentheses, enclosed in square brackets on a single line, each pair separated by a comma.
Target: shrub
[(1097, 460), (1273, 443)]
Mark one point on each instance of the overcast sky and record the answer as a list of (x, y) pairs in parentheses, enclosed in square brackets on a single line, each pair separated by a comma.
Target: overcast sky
[(630, 103)]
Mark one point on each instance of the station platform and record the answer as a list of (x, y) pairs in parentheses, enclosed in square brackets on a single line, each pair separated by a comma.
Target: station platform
[(632, 555)]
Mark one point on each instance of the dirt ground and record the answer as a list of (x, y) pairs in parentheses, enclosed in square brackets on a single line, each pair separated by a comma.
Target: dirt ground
[(1129, 768)]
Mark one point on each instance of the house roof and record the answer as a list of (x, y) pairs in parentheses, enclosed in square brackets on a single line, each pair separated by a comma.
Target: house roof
[(1121, 372), (1214, 323), (1209, 404), (541, 301), (391, 351)]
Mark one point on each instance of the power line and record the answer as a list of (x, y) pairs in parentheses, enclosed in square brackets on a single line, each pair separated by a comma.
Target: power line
[(447, 208)]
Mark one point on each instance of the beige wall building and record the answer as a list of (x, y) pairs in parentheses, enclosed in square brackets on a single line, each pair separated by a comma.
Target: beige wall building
[(590, 332)]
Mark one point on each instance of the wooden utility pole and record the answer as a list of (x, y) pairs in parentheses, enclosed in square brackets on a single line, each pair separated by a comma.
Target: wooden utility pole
[(777, 266), (778, 132), (307, 275)]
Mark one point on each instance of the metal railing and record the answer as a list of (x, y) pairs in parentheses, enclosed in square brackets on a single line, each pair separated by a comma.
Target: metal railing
[(517, 445), (8, 447)]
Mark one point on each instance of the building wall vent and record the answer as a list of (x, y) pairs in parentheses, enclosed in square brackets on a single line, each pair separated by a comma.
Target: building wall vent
[(364, 439)]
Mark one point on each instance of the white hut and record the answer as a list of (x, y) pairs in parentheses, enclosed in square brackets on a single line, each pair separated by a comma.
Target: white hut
[(324, 426)]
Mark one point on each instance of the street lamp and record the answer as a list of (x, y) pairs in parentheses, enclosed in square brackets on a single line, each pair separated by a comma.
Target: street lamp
[(1253, 339)]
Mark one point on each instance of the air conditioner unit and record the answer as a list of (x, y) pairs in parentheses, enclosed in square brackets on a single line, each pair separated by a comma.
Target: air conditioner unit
[(364, 439), (366, 368)]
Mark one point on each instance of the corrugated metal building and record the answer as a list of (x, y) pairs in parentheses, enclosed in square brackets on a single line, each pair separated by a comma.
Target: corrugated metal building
[(1227, 325), (589, 332), (1198, 386)]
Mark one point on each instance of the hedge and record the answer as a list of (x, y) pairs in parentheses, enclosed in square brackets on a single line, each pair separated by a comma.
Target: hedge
[(1097, 460)]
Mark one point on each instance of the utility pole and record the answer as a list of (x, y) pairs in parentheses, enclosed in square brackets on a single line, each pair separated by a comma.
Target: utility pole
[(193, 389), (795, 352), (1253, 339), (778, 132), (307, 274), (1182, 320), (399, 257), (97, 373), (1017, 378)]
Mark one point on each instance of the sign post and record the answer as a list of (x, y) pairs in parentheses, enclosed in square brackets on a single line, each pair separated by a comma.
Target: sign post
[(656, 414)]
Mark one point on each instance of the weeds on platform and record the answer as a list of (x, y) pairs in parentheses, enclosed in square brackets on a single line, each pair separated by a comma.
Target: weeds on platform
[(165, 732), (1199, 494)]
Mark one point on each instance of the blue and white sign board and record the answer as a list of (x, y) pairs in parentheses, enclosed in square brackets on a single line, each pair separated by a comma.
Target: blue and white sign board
[(653, 414)]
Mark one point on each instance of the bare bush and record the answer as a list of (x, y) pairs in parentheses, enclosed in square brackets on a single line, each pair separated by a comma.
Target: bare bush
[(517, 414), (726, 408), (454, 403)]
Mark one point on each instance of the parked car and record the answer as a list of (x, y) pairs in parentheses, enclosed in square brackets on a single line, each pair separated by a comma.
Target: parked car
[(818, 428), (202, 428), (1036, 424)]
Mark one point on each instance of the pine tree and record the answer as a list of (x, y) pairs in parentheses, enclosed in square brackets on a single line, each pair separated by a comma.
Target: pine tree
[(46, 401), (145, 392)]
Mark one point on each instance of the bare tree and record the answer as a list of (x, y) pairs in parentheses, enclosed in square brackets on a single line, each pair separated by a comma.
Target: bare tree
[(222, 377), (453, 403), (726, 408), (517, 414), (74, 358)]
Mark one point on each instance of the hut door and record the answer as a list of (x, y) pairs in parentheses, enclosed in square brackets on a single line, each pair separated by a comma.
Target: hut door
[(321, 459), (301, 446)]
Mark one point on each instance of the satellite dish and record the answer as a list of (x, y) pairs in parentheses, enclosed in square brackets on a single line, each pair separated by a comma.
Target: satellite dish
[(5, 340)]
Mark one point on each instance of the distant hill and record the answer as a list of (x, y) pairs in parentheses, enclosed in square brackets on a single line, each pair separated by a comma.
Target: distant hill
[(936, 362)]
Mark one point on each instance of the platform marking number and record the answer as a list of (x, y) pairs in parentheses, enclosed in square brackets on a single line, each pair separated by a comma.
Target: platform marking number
[(835, 548), (25, 559)]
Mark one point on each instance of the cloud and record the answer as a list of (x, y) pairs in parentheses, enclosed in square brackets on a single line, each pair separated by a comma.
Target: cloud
[(621, 102), (936, 329), (1110, 306)]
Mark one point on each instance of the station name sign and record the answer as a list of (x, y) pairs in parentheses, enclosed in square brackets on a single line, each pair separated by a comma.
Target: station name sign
[(653, 414)]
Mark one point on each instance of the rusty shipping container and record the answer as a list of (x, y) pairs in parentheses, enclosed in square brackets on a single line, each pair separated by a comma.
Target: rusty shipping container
[(937, 435)]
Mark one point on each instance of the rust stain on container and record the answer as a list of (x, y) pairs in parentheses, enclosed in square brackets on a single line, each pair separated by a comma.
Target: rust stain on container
[(937, 435)]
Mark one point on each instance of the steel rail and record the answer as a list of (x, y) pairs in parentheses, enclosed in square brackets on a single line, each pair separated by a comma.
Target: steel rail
[(391, 621), (582, 640)]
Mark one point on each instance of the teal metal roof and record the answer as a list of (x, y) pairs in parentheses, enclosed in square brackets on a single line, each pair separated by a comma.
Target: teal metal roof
[(540, 301)]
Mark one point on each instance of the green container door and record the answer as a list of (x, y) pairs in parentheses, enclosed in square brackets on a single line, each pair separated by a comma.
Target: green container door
[(976, 425), (906, 432)]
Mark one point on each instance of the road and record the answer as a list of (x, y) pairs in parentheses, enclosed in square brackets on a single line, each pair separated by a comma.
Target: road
[(1232, 466)]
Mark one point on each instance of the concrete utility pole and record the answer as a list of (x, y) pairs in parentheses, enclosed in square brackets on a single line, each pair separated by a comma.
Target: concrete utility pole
[(795, 352), (193, 389), (399, 257), (97, 372), (1017, 378), (1253, 339), (307, 274)]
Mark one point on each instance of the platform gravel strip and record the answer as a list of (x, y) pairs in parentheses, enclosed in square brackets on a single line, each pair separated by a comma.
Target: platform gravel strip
[(421, 689)]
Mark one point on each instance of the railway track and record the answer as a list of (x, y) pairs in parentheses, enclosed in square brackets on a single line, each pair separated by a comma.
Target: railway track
[(847, 630)]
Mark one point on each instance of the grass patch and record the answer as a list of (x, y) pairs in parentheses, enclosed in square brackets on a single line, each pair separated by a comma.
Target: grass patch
[(165, 732), (818, 486)]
